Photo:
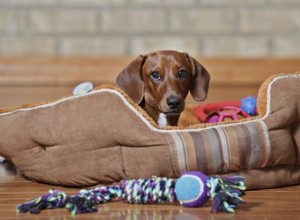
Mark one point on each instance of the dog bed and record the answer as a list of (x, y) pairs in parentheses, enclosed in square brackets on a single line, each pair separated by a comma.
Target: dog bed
[(103, 136)]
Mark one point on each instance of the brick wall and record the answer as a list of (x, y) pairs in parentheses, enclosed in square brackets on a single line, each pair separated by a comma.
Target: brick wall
[(210, 28)]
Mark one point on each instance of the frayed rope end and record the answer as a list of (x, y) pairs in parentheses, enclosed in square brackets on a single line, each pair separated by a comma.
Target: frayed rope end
[(226, 193)]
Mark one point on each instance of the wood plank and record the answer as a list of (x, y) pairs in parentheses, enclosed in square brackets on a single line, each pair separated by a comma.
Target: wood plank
[(15, 96), (36, 79), (67, 71)]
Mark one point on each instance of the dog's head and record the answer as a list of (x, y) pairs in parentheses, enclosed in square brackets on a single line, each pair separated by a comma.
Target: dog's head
[(163, 79)]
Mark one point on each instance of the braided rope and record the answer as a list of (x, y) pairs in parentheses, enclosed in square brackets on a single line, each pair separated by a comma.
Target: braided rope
[(141, 191), (226, 195)]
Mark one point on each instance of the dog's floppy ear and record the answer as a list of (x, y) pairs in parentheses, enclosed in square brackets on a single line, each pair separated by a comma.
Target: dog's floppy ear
[(200, 80), (130, 79)]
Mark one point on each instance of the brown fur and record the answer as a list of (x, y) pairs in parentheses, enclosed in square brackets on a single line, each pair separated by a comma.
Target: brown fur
[(154, 95)]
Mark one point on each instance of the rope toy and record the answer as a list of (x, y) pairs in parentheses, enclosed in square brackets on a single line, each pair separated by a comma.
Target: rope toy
[(192, 189)]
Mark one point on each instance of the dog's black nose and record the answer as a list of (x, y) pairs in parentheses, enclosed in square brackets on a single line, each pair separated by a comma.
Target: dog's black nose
[(173, 102)]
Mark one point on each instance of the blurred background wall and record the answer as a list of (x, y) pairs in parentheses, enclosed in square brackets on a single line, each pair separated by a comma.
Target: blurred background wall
[(208, 28)]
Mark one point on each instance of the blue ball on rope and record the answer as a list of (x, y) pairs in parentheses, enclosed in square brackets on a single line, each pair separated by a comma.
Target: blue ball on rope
[(191, 189)]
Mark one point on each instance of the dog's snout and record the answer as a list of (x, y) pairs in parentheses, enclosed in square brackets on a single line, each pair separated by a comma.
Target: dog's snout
[(173, 102)]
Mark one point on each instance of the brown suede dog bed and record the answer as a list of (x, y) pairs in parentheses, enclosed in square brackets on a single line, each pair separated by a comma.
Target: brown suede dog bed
[(103, 136)]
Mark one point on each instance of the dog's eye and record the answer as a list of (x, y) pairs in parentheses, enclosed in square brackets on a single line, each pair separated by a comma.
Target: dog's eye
[(155, 76), (181, 74)]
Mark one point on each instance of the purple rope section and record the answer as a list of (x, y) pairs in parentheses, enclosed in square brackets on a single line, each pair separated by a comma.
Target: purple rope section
[(141, 191)]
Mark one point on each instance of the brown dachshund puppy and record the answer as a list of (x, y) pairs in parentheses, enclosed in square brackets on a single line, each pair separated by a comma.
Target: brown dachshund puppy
[(160, 82)]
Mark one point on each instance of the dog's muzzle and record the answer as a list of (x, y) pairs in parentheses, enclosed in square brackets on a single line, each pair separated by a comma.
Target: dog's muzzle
[(174, 103)]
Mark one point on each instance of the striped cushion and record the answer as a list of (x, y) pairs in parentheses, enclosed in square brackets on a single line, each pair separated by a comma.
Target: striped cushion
[(223, 149)]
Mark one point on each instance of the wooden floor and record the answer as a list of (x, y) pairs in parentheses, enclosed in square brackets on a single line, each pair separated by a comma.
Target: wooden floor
[(281, 203)]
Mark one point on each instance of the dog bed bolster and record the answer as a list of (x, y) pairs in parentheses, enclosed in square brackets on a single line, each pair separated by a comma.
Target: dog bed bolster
[(102, 136)]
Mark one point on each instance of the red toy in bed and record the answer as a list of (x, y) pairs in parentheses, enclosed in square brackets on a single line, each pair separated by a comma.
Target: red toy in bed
[(221, 111)]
